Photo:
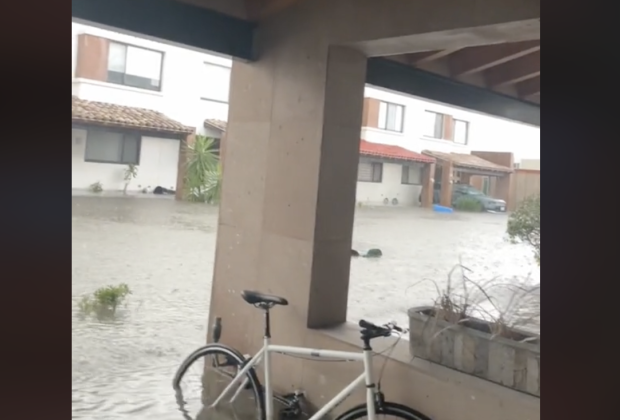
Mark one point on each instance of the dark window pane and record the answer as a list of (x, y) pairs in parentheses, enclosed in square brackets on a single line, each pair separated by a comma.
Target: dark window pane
[(102, 146), (131, 149), (376, 172), (115, 77), (141, 82)]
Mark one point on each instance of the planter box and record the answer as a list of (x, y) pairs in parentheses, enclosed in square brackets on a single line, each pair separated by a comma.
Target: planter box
[(472, 350)]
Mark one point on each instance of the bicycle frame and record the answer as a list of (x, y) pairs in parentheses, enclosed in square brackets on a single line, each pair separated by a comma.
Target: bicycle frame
[(264, 355)]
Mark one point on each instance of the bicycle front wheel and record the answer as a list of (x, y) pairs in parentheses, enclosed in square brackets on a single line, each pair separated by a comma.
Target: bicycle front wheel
[(386, 410), (202, 377)]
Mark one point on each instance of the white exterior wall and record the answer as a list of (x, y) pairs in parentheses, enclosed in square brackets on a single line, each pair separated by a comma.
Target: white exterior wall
[(183, 82), (485, 132), (373, 193), (159, 160)]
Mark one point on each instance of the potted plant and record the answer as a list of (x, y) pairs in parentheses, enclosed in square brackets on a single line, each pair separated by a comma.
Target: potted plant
[(467, 330)]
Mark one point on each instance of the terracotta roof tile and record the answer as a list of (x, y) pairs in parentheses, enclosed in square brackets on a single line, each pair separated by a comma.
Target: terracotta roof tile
[(103, 113), (467, 161), (218, 124), (392, 152)]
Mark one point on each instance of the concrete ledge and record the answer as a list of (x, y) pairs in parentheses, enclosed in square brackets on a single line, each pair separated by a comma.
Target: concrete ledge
[(348, 333)]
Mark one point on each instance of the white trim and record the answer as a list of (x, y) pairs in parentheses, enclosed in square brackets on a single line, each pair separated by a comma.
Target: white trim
[(382, 131), (444, 141), (116, 86)]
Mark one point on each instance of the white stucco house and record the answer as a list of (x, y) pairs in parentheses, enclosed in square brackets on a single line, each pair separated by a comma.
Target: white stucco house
[(134, 101), (413, 124)]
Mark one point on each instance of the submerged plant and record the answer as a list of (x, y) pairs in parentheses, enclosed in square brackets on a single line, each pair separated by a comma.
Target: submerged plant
[(131, 172), (104, 301), (96, 187), (203, 180), (466, 203)]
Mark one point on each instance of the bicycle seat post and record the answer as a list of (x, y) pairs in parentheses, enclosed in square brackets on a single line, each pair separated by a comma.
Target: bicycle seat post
[(267, 323)]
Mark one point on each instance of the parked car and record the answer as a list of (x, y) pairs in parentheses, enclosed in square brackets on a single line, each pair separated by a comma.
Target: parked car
[(461, 190)]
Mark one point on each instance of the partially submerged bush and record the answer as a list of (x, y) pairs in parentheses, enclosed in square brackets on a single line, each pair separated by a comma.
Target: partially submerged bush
[(96, 187), (524, 224), (466, 203), (104, 301)]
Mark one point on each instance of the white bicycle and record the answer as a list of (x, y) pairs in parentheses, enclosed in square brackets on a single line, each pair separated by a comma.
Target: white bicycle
[(231, 364)]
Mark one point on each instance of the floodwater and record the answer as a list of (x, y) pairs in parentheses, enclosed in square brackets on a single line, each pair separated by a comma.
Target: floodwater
[(164, 250)]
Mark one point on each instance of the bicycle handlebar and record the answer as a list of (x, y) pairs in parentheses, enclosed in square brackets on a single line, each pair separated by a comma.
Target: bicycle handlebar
[(385, 330)]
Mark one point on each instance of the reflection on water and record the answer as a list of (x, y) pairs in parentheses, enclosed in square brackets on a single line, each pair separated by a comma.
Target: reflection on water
[(164, 251)]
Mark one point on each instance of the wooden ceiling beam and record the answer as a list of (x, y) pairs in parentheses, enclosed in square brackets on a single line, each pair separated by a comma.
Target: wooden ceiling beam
[(416, 59), (514, 71), (529, 88), (476, 59)]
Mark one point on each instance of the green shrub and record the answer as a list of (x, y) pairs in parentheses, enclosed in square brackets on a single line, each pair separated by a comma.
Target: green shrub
[(203, 180), (104, 301), (468, 204), (524, 224)]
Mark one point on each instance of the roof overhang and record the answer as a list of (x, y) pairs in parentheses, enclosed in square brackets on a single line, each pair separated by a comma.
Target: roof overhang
[(469, 163), (103, 114)]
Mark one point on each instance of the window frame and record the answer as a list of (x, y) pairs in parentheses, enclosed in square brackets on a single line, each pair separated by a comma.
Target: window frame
[(124, 134), (455, 120), (387, 107), (441, 125), (373, 170), (162, 54), (219, 101), (405, 169)]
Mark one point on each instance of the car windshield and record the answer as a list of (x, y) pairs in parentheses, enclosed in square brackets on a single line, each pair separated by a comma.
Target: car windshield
[(471, 191)]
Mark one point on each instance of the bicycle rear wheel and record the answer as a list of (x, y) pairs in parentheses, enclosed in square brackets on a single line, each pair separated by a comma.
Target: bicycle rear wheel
[(202, 377), (386, 409)]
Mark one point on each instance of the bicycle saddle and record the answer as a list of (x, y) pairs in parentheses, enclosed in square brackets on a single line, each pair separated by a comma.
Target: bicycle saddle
[(254, 298)]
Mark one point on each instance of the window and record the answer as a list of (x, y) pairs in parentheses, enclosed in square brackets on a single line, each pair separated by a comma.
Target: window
[(370, 172), (215, 83), (433, 125), (110, 147), (134, 66), (461, 131), (391, 117), (412, 175)]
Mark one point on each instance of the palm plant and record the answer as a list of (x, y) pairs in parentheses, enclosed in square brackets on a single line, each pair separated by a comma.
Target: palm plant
[(203, 179)]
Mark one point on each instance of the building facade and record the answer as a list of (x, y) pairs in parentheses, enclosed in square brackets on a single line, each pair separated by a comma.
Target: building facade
[(192, 87), (115, 74)]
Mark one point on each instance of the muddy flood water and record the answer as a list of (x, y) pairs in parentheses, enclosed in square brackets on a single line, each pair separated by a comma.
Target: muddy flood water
[(164, 250)]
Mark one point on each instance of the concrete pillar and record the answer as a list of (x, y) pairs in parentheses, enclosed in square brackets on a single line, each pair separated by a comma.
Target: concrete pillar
[(428, 182), (447, 168), (502, 184), (182, 166), (290, 171), (503, 187)]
